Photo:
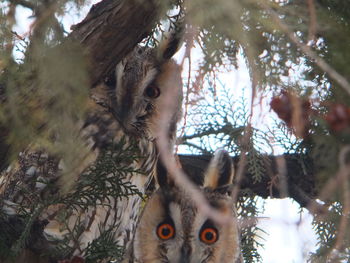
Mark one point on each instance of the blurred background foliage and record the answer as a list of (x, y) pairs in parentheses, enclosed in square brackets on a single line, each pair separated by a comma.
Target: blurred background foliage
[(296, 52)]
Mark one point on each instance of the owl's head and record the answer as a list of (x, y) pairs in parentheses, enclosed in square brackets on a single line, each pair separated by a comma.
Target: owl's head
[(173, 230), (145, 79)]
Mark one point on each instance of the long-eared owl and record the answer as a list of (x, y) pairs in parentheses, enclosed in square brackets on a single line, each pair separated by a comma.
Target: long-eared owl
[(172, 230), (126, 107)]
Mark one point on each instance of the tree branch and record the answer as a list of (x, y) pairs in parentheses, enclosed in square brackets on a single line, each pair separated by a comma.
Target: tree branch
[(111, 30), (300, 178)]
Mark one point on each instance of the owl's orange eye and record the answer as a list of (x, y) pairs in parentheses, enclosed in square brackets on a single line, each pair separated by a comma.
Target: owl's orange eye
[(209, 235), (152, 92), (165, 231)]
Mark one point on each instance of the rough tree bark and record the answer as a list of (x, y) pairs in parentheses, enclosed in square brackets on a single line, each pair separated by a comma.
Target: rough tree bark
[(112, 29)]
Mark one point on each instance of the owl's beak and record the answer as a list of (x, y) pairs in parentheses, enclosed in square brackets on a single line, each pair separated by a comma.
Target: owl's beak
[(186, 251), (129, 119)]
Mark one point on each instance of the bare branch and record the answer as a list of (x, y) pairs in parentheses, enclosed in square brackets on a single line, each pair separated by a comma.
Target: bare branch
[(344, 175), (177, 174), (300, 183), (313, 20)]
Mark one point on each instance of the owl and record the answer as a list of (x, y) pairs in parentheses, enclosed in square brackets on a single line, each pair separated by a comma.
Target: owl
[(131, 109), (126, 107), (172, 230)]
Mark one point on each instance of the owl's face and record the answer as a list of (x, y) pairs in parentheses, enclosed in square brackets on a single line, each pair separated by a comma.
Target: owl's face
[(173, 230), (144, 80)]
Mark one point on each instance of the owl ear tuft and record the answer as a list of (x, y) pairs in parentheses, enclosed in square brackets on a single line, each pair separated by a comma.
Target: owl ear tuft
[(162, 175), (220, 170), (171, 44)]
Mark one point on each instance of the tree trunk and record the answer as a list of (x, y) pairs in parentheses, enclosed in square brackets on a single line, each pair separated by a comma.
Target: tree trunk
[(112, 29)]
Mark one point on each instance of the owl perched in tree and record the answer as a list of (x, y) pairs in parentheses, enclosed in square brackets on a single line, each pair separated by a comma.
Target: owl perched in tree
[(172, 230), (124, 110)]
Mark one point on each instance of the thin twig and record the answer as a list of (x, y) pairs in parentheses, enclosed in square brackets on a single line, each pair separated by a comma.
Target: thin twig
[(313, 20), (344, 175), (282, 175), (189, 46), (332, 185), (203, 150), (226, 129), (241, 164), (308, 51), (177, 174)]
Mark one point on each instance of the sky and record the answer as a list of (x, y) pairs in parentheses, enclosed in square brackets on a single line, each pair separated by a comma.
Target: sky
[(288, 234)]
